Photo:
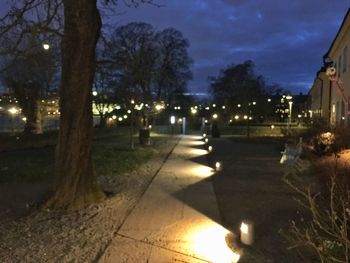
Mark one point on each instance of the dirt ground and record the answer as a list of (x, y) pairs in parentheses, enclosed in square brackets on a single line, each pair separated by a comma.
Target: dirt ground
[(80, 236)]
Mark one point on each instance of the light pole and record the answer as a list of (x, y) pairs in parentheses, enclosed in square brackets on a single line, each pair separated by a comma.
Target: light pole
[(132, 144), (290, 103), (13, 111)]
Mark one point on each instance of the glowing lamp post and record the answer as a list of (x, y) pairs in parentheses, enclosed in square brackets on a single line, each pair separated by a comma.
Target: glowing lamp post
[(247, 233), (290, 103), (172, 122), (218, 166), (13, 111), (210, 148)]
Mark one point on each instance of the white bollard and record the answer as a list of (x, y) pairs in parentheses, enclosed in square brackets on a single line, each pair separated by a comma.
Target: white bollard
[(247, 232)]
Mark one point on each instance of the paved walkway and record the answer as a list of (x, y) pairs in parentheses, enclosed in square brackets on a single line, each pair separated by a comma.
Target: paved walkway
[(177, 219)]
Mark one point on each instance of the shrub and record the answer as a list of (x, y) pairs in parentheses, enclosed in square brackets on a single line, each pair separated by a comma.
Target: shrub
[(327, 233)]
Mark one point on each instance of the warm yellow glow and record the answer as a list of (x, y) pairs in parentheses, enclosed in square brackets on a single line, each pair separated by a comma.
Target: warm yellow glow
[(236, 117), (129, 111), (195, 143), (202, 171), (272, 126), (223, 107), (215, 116), (245, 117), (125, 116), (150, 126), (94, 93), (269, 100), (193, 111), (132, 101), (120, 119), (217, 165), (114, 117), (244, 228), (239, 105), (254, 102), (24, 119), (210, 148), (13, 110), (207, 241), (204, 135), (158, 107), (206, 140), (197, 152)]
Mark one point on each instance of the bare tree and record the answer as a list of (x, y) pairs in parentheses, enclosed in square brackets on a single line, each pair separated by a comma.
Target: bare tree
[(75, 184), (173, 64), (29, 78)]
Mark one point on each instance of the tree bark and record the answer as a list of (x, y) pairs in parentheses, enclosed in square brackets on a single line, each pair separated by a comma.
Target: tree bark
[(76, 184)]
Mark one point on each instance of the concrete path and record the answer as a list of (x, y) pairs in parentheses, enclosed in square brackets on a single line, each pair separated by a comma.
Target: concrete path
[(177, 219)]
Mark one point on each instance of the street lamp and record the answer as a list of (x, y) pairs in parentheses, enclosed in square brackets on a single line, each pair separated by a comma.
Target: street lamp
[(13, 111), (46, 46), (290, 103)]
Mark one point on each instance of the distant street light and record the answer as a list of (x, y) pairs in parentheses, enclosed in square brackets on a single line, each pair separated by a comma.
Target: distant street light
[(290, 103), (13, 111), (46, 46), (94, 93), (215, 116)]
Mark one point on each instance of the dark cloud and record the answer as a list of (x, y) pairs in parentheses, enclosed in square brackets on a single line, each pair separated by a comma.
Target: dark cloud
[(285, 39)]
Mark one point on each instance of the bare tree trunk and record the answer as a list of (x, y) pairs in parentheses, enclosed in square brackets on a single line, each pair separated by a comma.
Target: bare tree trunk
[(76, 184)]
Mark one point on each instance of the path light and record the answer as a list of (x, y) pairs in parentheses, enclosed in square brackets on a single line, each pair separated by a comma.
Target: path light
[(206, 140), (245, 117), (272, 127), (120, 119), (150, 126), (114, 117), (268, 100), (218, 166), (94, 93), (204, 135), (236, 117), (247, 232), (215, 116), (210, 148)]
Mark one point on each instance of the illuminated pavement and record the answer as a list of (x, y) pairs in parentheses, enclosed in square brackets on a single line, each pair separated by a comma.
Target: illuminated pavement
[(177, 219)]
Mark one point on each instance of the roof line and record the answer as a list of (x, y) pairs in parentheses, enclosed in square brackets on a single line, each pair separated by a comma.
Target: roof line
[(336, 36)]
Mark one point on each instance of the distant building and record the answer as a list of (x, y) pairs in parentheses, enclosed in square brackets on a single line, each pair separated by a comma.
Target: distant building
[(330, 99)]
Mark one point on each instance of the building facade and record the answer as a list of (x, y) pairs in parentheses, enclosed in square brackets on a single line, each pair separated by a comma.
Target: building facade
[(330, 96)]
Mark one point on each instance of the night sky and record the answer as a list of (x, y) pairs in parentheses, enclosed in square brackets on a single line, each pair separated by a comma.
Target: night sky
[(285, 39)]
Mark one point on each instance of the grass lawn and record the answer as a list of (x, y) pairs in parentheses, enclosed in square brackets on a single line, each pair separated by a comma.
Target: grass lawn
[(31, 159)]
